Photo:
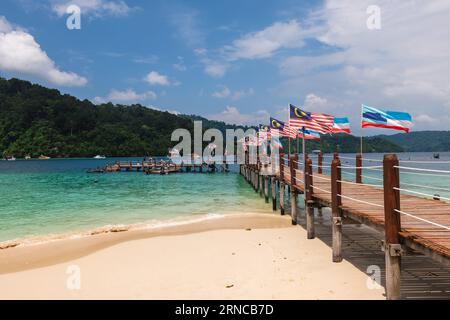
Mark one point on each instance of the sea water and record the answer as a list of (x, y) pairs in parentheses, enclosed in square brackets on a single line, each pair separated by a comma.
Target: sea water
[(57, 196), (51, 197)]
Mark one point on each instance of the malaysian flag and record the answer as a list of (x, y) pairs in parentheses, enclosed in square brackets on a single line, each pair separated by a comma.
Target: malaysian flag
[(264, 132), (320, 122), (279, 128)]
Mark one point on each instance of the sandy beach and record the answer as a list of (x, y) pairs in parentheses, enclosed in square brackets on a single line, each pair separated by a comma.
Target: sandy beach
[(255, 256)]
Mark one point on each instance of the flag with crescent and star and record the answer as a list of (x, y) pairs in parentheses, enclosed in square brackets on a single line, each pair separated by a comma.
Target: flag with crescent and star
[(319, 122)]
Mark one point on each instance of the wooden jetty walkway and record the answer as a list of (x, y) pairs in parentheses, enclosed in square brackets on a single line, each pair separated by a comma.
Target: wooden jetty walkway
[(407, 220), (160, 167)]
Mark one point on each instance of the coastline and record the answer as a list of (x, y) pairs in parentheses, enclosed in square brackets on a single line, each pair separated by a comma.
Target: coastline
[(240, 256)]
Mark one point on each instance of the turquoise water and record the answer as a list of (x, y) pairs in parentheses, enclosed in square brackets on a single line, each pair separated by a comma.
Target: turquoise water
[(58, 196), (44, 197), (430, 183)]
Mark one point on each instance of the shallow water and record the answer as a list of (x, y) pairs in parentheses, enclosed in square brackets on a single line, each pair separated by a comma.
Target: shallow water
[(58, 196), (43, 197)]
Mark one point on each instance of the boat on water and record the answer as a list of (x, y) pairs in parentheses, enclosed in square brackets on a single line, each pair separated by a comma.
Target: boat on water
[(99, 157), (10, 158), (436, 155), (43, 157), (27, 157)]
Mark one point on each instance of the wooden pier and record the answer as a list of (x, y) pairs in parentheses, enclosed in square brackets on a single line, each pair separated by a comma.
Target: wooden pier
[(160, 167), (409, 222)]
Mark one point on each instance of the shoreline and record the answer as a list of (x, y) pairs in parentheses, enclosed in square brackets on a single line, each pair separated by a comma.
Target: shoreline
[(241, 256), (40, 251)]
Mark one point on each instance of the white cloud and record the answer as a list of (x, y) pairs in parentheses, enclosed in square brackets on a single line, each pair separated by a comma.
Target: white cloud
[(180, 64), (225, 92), (404, 66), (155, 78), (92, 7), (314, 102), (126, 96), (265, 43), (215, 69), (20, 54), (151, 59), (242, 93), (232, 115)]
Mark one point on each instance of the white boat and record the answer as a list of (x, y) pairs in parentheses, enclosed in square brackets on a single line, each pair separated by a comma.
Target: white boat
[(99, 157), (11, 158)]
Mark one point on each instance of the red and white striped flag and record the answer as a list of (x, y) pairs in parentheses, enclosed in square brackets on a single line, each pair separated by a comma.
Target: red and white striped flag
[(319, 122)]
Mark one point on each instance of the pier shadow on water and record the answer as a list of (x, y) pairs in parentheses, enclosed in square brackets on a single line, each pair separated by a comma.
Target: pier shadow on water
[(422, 277)]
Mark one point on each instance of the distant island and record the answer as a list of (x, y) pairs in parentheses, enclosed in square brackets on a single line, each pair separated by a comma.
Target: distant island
[(35, 120)]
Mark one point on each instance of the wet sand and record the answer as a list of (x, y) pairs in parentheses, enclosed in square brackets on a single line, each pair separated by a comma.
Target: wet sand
[(244, 256)]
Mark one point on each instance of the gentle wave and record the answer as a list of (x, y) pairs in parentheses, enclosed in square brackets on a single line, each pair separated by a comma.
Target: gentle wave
[(149, 225)]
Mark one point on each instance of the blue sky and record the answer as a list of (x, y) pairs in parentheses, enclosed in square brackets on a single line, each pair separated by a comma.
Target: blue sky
[(237, 61)]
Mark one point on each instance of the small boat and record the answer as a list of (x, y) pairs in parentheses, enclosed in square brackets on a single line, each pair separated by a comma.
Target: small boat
[(436, 156), (10, 158), (27, 157), (99, 157), (316, 151), (42, 157)]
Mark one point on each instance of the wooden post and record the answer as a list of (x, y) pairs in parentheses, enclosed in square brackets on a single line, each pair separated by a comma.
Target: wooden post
[(282, 183), (309, 203), (266, 188), (336, 202), (335, 155), (392, 225), (358, 166), (293, 164), (274, 193), (319, 162), (261, 184)]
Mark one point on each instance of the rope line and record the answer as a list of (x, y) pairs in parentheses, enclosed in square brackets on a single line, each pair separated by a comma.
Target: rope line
[(428, 162), (420, 193), (426, 187), (369, 203), (370, 167), (360, 184), (373, 178), (314, 187), (422, 219), (426, 174), (420, 169), (318, 177)]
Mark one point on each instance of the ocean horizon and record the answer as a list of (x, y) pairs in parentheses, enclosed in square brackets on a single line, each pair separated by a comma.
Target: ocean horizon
[(47, 199)]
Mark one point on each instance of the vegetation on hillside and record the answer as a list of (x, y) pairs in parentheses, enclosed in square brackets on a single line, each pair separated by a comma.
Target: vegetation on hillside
[(35, 120)]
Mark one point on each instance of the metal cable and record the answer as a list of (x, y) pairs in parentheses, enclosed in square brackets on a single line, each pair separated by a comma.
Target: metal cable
[(369, 203), (422, 219), (420, 193)]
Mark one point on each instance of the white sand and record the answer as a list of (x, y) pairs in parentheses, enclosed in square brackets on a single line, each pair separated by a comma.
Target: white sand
[(274, 263)]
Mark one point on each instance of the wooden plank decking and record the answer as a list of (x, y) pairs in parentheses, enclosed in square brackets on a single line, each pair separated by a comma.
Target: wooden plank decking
[(420, 235)]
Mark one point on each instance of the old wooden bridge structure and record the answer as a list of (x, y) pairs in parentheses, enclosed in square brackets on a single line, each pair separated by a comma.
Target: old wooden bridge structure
[(407, 219)]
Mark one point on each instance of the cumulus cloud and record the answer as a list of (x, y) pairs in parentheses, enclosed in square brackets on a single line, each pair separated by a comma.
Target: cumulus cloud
[(92, 7), (225, 92), (126, 96), (265, 43), (403, 66), (232, 115), (215, 69), (20, 54), (155, 78)]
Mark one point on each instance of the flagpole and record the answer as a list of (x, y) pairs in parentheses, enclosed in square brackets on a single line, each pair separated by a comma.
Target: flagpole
[(361, 138), (304, 155)]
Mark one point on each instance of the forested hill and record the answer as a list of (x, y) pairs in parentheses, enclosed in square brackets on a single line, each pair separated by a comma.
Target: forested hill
[(421, 140), (35, 120)]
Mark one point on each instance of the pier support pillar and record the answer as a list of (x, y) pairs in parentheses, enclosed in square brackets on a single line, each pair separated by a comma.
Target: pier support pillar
[(274, 194), (282, 198), (392, 226), (294, 207), (319, 211), (309, 202), (261, 184), (266, 188), (336, 202)]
